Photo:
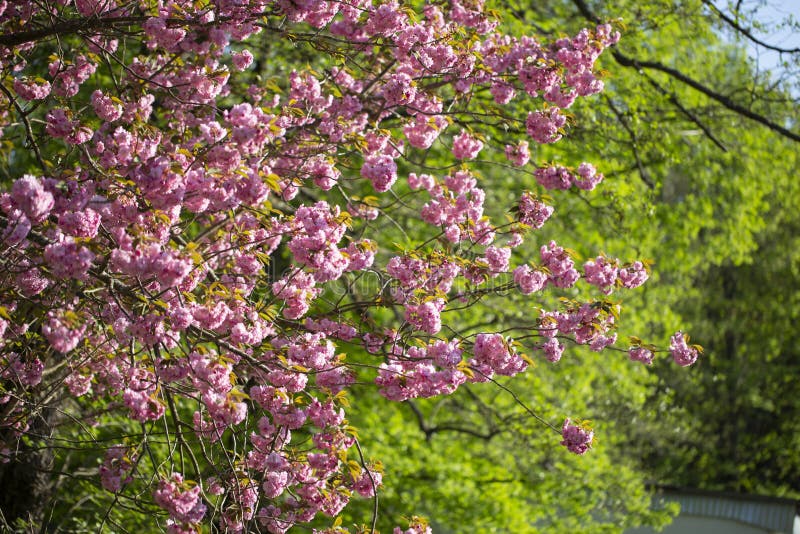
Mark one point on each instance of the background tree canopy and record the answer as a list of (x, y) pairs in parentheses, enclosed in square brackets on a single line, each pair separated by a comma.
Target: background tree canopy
[(699, 147)]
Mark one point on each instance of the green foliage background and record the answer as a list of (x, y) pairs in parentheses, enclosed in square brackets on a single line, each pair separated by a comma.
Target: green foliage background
[(717, 213)]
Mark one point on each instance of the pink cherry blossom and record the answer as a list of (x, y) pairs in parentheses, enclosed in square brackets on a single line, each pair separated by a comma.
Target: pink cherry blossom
[(641, 354), (518, 154), (683, 354), (577, 439), (465, 146), (198, 250), (381, 170), (32, 89)]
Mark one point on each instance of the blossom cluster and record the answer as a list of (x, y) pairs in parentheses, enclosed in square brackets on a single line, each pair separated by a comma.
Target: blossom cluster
[(577, 438), (585, 177), (191, 250)]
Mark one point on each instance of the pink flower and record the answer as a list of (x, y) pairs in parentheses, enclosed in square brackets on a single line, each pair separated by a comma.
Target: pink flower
[(368, 482), (601, 272), (554, 177), (275, 482), (27, 372), (424, 130), (466, 146), (32, 89), (69, 78), (601, 341), (494, 354), (545, 126), (641, 354), (577, 439), (532, 211), (424, 181), (80, 223), (58, 123), (160, 35), (31, 282), (19, 227), (633, 275), (67, 259), (88, 8), (681, 352), (502, 92), (115, 469), (143, 405), (426, 316), (324, 173), (562, 269), (63, 330), (470, 14), (361, 255), (553, 350), (529, 280), (386, 19), (181, 500), (242, 60), (588, 177), (78, 384), (298, 290), (399, 89), (105, 107), (79, 135), (518, 154), (381, 170), (498, 259), (29, 195)]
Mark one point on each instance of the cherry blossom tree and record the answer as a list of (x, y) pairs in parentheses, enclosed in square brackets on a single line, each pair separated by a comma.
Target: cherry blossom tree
[(196, 236)]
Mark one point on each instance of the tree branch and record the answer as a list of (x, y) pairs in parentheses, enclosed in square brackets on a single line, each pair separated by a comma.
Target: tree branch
[(692, 117), (726, 102), (744, 31), (643, 174), (68, 27), (448, 427), (28, 129)]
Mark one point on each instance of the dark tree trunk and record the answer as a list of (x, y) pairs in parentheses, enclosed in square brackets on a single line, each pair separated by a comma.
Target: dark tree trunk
[(26, 482)]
